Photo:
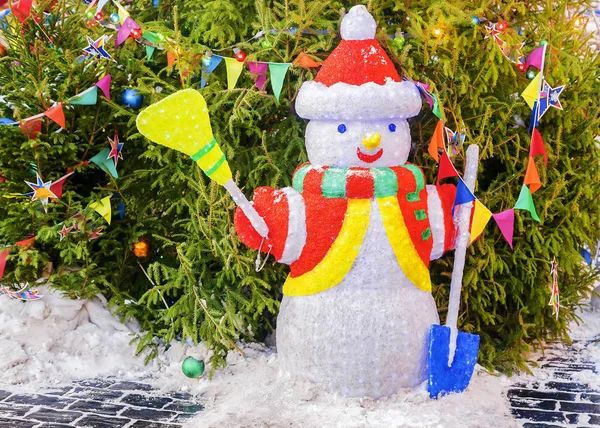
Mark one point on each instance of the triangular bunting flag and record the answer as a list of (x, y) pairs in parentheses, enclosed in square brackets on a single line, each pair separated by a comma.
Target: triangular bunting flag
[(437, 141), (101, 4), (3, 255), (125, 30), (463, 194), (171, 57), (537, 146), (305, 61), (149, 52), (481, 217), (57, 186), (31, 128), (22, 9), (532, 91), (102, 207), (532, 178), (123, 14), (25, 244), (506, 222), (260, 69), (57, 114), (215, 60), (525, 202), (108, 165), (104, 85), (89, 97), (536, 58), (436, 110), (278, 72), (234, 69), (446, 168)]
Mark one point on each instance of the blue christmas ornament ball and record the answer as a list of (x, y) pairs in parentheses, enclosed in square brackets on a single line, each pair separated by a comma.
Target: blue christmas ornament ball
[(114, 18), (475, 20), (132, 98), (87, 1)]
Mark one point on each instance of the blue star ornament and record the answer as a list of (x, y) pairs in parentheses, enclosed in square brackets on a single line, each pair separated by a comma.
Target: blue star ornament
[(549, 98), (96, 48), (41, 190)]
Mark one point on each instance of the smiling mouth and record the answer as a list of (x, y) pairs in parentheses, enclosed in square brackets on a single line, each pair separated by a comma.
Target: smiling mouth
[(368, 158)]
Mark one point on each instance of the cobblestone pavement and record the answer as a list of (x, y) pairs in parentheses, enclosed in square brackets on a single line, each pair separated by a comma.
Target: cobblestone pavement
[(555, 397), (97, 403)]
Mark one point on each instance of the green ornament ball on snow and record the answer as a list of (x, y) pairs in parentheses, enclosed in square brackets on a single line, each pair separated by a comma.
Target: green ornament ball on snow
[(192, 367)]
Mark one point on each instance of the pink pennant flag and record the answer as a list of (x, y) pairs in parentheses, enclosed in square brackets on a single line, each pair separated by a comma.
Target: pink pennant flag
[(3, 255), (260, 69), (125, 30), (104, 85), (536, 58), (506, 223)]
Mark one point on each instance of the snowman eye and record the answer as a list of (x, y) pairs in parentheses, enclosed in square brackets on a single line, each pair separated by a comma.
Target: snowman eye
[(392, 127), (341, 128)]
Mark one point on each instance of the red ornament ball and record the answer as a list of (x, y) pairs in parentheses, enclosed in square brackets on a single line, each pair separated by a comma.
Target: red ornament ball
[(502, 25), (98, 16), (92, 23), (521, 67), (136, 33), (240, 56)]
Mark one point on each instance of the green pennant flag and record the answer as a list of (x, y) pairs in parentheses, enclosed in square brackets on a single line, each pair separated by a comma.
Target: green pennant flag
[(436, 107), (278, 72), (525, 202), (88, 97), (108, 165), (149, 52), (152, 37)]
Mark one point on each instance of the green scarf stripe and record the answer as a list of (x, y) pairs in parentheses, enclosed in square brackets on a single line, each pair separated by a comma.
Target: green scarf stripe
[(386, 182), (204, 150), (334, 183), (215, 166), (298, 180), (419, 179)]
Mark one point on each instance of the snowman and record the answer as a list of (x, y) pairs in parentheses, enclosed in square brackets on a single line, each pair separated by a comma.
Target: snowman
[(357, 228)]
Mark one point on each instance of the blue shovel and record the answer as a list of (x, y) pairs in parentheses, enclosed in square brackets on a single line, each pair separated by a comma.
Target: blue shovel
[(452, 353)]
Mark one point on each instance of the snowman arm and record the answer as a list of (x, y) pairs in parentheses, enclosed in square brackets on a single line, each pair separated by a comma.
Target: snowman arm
[(440, 200), (284, 213)]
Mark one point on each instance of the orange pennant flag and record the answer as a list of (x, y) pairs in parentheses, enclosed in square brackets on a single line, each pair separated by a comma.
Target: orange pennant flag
[(171, 57), (437, 141), (303, 60), (57, 114), (532, 178), (31, 128)]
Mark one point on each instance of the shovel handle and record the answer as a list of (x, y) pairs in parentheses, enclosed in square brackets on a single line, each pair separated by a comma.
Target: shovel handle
[(258, 223), (463, 240)]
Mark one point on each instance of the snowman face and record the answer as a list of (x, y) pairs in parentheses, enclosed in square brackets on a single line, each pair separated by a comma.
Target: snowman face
[(347, 143)]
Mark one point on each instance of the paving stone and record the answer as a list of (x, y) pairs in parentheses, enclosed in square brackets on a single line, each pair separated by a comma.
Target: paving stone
[(533, 403), (13, 410), (144, 424), (98, 421), (50, 415), (95, 394), (594, 420), (4, 394), (568, 386), (131, 386), (562, 375), (538, 425), (573, 418), (594, 398), (550, 395), (569, 367), (59, 391), (147, 414), (14, 423), (97, 407), (538, 415), (181, 395), (40, 400), (568, 406), (50, 425), (96, 383), (184, 407), (183, 417), (146, 401)]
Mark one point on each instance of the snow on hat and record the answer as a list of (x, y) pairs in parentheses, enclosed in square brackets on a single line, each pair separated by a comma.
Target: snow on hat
[(358, 80)]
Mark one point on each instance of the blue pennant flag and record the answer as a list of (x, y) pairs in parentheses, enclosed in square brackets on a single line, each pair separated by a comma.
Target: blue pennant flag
[(463, 194), (215, 60)]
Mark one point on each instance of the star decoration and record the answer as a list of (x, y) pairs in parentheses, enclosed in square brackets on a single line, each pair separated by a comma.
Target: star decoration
[(64, 231), (115, 149), (96, 48), (41, 190), (549, 98), (96, 233)]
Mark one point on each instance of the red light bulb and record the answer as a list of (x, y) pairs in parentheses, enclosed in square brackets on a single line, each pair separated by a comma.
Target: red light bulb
[(92, 23), (240, 56), (98, 16), (502, 25), (136, 33), (521, 67)]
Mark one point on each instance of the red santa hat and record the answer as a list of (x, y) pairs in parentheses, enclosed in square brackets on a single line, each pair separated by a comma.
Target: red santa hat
[(358, 81)]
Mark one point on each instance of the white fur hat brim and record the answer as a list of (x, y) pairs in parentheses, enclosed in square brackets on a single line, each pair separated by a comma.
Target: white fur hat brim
[(369, 101)]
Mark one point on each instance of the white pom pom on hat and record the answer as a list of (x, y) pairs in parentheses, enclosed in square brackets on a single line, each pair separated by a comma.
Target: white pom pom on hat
[(358, 80)]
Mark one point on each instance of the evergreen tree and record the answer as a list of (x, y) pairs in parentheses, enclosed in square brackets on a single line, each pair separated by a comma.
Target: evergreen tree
[(201, 282)]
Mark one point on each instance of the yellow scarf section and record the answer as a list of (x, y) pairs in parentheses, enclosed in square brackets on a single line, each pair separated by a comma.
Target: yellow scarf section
[(343, 252)]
